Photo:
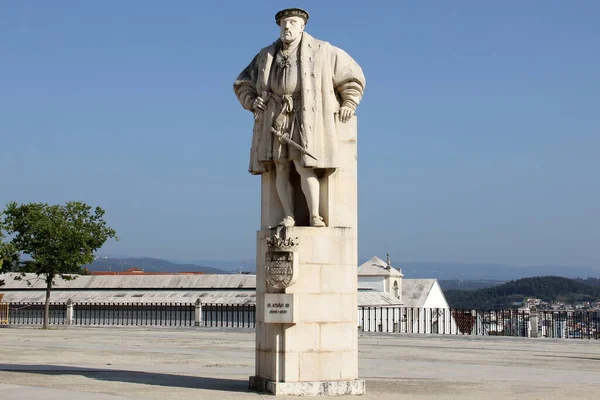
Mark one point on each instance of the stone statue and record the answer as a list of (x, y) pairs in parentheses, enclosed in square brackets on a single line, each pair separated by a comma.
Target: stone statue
[(296, 88)]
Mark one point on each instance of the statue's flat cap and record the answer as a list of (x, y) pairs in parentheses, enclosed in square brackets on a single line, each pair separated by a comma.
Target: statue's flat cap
[(292, 12)]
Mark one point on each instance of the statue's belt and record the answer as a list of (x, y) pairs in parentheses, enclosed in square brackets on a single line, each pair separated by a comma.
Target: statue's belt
[(285, 102), (285, 107)]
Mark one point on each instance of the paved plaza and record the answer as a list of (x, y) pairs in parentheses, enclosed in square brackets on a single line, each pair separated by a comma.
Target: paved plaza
[(201, 363)]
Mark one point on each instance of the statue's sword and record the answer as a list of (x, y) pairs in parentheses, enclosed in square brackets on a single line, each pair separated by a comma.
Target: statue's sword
[(284, 138)]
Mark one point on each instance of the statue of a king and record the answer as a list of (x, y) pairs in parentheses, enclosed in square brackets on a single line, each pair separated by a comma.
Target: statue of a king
[(296, 88)]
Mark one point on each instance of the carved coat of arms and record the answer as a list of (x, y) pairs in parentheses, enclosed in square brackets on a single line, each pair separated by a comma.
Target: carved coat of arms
[(281, 267)]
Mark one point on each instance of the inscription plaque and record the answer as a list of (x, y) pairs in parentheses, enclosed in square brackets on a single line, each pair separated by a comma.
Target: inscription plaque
[(279, 308)]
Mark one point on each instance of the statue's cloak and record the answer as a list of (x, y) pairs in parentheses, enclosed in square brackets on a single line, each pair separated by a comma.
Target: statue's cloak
[(329, 78)]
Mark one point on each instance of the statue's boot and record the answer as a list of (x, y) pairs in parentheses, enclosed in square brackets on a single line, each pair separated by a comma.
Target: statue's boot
[(317, 221), (287, 222)]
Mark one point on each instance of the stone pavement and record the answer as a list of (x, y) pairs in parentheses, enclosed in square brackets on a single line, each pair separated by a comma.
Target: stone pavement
[(110, 363)]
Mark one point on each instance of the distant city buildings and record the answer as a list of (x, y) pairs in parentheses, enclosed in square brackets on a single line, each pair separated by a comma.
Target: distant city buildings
[(539, 304)]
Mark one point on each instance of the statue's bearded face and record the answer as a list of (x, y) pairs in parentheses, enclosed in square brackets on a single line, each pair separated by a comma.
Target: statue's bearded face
[(290, 28)]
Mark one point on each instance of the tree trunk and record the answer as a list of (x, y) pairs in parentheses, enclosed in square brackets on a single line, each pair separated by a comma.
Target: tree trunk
[(49, 279)]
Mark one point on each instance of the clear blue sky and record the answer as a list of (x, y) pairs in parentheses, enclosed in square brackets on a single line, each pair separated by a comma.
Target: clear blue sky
[(478, 134)]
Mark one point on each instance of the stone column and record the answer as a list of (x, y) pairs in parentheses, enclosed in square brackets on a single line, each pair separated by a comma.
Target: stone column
[(69, 313), (198, 313), (533, 322)]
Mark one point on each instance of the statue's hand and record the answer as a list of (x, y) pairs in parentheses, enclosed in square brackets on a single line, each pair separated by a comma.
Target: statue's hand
[(259, 104), (345, 113), (285, 138)]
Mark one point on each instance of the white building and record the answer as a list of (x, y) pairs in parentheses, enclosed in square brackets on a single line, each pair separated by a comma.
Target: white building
[(423, 293), (421, 305), (380, 276)]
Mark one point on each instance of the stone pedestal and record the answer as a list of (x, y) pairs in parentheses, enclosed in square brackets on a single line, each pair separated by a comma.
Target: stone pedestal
[(330, 388), (315, 351)]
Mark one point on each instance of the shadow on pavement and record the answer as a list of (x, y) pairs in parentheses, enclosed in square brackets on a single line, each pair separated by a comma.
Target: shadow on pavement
[(140, 377)]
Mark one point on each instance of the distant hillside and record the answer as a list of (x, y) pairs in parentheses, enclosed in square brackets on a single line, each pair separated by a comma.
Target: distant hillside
[(148, 265), (225, 265), (589, 281), (547, 288), (501, 272), (467, 284)]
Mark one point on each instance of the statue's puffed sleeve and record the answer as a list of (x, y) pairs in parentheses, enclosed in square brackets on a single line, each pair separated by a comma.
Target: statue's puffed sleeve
[(348, 78), (244, 86)]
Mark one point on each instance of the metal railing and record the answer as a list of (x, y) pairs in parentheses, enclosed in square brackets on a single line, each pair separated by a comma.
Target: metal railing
[(229, 315), (150, 314), (140, 314), (440, 321), (569, 324), (33, 314), (516, 323)]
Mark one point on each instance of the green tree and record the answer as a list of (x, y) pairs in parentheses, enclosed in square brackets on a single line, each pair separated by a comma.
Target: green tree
[(8, 255), (58, 238)]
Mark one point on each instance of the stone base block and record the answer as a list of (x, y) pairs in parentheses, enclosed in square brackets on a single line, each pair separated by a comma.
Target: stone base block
[(322, 388)]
